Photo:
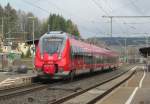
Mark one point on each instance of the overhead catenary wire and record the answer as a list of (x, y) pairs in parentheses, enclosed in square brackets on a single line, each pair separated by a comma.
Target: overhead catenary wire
[(107, 3), (133, 3), (34, 5), (83, 19), (128, 17), (136, 7), (37, 6), (54, 5), (124, 6), (45, 9), (100, 7), (105, 12)]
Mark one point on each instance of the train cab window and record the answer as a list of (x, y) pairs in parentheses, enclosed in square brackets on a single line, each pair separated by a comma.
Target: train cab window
[(52, 45)]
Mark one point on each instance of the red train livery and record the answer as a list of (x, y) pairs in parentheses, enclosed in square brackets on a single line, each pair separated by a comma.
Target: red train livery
[(58, 55)]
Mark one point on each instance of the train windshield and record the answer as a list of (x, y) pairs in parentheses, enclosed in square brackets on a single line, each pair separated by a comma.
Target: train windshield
[(52, 45)]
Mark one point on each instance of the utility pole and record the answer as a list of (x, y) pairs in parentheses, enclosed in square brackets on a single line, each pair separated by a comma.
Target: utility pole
[(137, 17), (125, 47), (147, 40), (33, 26), (147, 64), (111, 22), (111, 26), (111, 18), (33, 40), (2, 27), (48, 28), (1, 43), (33, 31)]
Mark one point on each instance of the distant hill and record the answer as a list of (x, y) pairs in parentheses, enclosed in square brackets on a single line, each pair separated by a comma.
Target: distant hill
[(119, 40), (118, 43)]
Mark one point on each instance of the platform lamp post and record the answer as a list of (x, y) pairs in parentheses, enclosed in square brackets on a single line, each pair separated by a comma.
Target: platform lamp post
[(147, 52), (2, 26), (33, 30)]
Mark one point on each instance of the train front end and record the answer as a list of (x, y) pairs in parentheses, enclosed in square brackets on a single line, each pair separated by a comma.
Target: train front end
[(52, 56)]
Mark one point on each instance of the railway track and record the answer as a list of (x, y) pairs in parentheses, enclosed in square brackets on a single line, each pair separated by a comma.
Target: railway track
[(17, 91), (37, 89), (79, 96)]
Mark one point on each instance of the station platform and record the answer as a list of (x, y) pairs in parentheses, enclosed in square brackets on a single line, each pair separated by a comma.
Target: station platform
[(12, 79), (135, 91)]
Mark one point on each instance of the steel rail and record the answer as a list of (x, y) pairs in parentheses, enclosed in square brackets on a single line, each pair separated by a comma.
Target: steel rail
[(69, 97), (9, 93), (110, 90)]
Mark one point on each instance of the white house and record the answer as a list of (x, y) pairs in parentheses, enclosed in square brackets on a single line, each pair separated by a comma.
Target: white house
[(24, 48)]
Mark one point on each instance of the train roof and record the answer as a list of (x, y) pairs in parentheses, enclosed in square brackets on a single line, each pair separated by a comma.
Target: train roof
[(92, 48), (80, 43), (54, 34), (145, 51)]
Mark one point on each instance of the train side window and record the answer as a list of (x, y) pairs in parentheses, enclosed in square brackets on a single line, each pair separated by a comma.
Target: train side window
[(71, 52), (102, 59)]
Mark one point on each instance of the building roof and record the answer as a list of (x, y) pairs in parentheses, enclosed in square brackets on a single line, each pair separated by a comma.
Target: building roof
[(145, 51), (31, 41)]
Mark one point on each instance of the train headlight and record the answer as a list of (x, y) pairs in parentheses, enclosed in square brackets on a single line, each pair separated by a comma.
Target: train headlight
[(59, 57), (50, 58), (60, 70), (42, 57)]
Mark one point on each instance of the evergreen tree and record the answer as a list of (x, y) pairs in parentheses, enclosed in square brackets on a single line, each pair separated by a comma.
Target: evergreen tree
[(1, 11), (18, 23), (58, 23), (1, 16), (10, 19)]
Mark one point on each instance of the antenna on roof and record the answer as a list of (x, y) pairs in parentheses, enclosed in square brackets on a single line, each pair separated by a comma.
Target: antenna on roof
[(55, 32)]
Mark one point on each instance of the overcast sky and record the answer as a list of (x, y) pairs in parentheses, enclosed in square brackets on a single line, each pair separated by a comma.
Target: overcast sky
[(87, 14)]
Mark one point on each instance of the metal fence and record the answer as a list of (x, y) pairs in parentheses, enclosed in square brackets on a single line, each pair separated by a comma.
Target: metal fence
[(9, 60)]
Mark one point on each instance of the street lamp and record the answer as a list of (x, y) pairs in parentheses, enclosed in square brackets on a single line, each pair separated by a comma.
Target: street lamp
[(33, 26), (33, 23)]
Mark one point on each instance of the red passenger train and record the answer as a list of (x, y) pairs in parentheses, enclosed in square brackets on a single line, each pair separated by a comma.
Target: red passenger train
[(58, 55)]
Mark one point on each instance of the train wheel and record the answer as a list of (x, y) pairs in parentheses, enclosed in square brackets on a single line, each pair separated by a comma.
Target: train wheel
[(102, 69), (91, 71), (115, 68), (111, 69), (72, 75)]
